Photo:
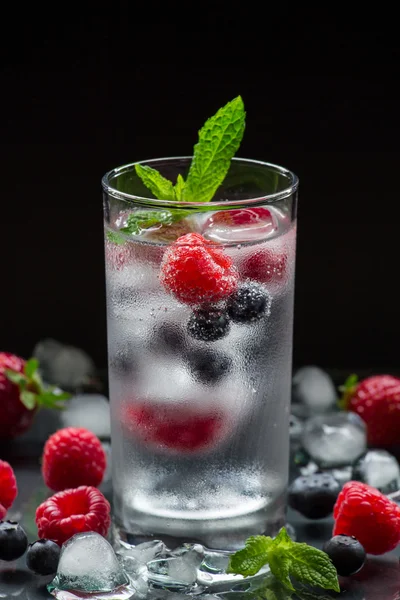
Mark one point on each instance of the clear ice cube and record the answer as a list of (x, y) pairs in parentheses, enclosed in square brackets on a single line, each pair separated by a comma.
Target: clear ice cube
[(313, 389), (91, 411), (379, 469), (88, 564), (335, 440), (134, 558), (179, 571)]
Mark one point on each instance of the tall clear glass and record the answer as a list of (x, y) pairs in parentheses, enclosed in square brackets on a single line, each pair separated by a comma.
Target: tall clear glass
[(200, 351)]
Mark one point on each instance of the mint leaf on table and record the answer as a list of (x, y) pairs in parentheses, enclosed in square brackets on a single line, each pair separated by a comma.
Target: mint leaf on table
[(253, 556), (286, 559), (161, 187), (219, 140)]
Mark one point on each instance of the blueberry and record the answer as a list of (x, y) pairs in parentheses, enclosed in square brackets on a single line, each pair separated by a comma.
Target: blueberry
[(207, 366), (168, 337), (43, 556), (314, 496), (346, 553), (13, 540), (208, 325), (249, 303)]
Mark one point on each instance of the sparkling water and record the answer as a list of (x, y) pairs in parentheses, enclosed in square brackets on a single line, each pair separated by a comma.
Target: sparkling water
[(200, 428)]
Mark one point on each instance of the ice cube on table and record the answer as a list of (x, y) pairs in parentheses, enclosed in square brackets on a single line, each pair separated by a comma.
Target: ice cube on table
[(379, 469), (91, 411), (179, 571), (65, 366), (342, 474), (88, 564), (335, 440), (313, 389), (135, 558)]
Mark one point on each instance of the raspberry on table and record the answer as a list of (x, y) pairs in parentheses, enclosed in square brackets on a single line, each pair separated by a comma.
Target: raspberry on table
[(363, 512), (197, 272), (8, 487), (73, 511), (73, 457)]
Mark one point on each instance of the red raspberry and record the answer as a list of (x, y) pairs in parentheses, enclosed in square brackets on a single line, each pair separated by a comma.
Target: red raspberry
[(265, 266), (175, 428), (365, 513), (197, 272), (8, 487), (3, 512), (73, 511), (377, 401), (73, 457), (15, 418)]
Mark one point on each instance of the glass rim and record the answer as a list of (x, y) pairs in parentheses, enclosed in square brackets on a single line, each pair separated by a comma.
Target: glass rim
[(265, 199)]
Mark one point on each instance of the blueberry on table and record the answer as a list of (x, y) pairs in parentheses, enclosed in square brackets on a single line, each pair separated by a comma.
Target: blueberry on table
[(249, 303), (208, 325), (346, 553), (208, 366), (13, 540), (314, 496), (43, 556)]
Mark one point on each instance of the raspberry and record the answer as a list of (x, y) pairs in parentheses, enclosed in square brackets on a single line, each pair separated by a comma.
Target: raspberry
[(73, 457), (197, 272), (73, 511), (175, 428), (8, 487), (363, 512), (265, 266)]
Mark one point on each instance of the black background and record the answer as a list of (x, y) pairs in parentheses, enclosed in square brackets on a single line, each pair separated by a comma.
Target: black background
[(85, 89)]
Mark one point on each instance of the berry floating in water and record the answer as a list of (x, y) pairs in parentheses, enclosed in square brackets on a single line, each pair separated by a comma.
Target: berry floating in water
[(314, 496), (43, 556), (13, 540), (346, 553), (208, 325), (208, 366), (250, 303)]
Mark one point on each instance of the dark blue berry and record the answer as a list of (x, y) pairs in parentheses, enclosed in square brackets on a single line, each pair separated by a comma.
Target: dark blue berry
[(346, 553), (13, 540), (208, 366), (249, 303), (168, 337), (208, 325), (314, 496), (43, 556)]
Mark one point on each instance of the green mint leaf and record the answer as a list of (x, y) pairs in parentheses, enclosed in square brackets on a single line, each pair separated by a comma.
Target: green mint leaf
[(139, 220), (17, 378), (279, 564), (160, 187), (310, 565), (253, 556), (31, 367), (219, 139), (28, 399), (115, 238), (180, 184)]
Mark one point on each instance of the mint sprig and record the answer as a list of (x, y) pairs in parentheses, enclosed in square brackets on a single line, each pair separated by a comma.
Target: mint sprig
[(286, 559), (32, 391), (219, 140)]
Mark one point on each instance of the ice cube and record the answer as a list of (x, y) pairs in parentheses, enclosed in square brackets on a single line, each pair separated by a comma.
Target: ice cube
[(177, 572), (215, 562), (379, 469), (88, 564), (69, 367), (335, 440), (314, 389), (135, 558), (91, 411), (342, 474), (240, 225)]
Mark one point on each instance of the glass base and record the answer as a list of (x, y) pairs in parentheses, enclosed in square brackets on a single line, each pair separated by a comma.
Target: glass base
[(189, 567)]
